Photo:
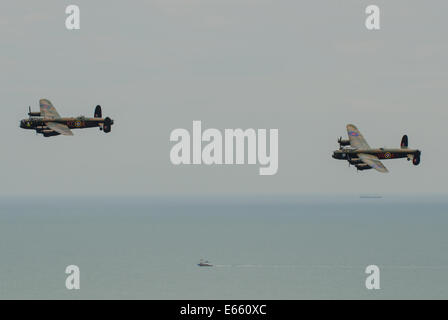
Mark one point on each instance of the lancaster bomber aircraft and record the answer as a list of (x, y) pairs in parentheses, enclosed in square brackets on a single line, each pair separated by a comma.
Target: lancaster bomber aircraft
[(357, 152), (49, 123)]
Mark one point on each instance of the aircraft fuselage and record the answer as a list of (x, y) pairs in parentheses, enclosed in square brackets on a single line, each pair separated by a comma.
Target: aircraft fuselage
[(72, 123), (381, 153)]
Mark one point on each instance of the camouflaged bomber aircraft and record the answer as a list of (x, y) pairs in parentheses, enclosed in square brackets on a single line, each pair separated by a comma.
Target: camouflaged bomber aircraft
[(357, 152), (49, 123)]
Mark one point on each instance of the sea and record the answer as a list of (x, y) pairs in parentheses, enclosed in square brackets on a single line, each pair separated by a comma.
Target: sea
[(261, 247)]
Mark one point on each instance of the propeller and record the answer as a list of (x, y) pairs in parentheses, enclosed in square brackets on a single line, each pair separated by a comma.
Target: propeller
[(339, 141)]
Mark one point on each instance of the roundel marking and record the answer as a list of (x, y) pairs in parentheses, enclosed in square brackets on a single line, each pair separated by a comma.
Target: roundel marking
[(387, 155)]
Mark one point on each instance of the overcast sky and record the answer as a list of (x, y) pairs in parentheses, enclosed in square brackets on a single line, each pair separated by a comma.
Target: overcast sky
[(306, 68)]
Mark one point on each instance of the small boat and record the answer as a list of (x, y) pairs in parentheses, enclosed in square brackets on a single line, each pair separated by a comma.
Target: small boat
[(204, 263)]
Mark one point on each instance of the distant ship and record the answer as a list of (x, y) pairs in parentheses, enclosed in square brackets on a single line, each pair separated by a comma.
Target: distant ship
[(204, 263), (370, 196)]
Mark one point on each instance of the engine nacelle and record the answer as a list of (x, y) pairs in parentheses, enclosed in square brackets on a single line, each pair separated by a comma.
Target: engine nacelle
[(33, 114), (343, 142), (49, 133), (363, 166), (355, 161)]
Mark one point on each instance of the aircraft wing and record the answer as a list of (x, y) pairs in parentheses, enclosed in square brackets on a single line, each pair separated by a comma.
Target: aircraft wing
[(60, 128), (47, 110), (356, 138), (373, 161)]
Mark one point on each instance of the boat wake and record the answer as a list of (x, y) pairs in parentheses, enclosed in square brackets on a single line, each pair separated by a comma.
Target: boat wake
[(325, 266)]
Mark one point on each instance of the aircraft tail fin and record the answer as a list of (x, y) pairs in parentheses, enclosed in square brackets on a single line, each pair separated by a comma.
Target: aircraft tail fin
[(404, 142), (98, 112)]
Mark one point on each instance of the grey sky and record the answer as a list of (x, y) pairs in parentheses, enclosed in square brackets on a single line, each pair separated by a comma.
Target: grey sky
[(305, 67)]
